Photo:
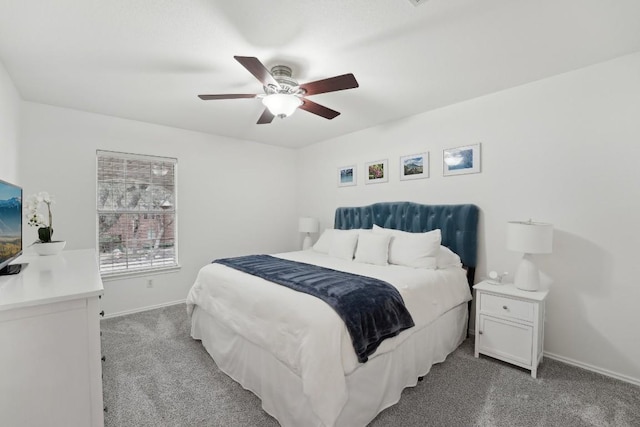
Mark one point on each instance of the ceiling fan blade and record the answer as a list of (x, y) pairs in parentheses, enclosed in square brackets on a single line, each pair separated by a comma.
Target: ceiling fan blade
[(259, 71), (332, 84), (318, 109), (227, 96), (266, 117)]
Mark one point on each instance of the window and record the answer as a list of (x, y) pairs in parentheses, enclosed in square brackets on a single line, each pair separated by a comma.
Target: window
[(136, 212)]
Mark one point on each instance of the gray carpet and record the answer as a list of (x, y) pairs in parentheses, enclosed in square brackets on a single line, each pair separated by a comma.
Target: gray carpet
[(156, 375)]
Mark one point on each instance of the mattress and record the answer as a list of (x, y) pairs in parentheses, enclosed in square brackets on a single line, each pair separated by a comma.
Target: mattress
[(307, 339)]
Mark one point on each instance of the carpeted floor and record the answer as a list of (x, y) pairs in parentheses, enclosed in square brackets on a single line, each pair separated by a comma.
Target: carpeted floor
[(156, 375)]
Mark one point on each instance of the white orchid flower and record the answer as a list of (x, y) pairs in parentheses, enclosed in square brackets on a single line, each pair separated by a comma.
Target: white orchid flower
[(35, 219), (46, 197), (32, 204)]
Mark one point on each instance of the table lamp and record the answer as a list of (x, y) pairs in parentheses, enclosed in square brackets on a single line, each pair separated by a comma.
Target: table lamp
[(307, 225), (529, 238)]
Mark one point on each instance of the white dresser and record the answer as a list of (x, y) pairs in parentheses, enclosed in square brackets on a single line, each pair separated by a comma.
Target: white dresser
[(50, 367), (510, 324)]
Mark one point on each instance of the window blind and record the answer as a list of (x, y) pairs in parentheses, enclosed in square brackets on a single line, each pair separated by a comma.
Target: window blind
[(136, 212)]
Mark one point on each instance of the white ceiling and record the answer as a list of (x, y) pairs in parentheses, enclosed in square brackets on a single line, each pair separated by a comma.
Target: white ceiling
[(148, 60)]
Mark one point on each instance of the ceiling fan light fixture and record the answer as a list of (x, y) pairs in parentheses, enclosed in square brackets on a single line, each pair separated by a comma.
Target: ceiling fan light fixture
[(282, 104)]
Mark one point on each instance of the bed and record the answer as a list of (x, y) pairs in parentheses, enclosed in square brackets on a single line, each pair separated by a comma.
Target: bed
[(294, 352)]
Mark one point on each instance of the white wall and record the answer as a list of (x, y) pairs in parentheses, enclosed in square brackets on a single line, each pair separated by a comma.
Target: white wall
[(563, 150), (9, 126), (228, 191)]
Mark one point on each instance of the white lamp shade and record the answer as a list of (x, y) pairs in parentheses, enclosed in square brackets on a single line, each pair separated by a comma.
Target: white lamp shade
[(281, 104), (529, 237), (308, 225)]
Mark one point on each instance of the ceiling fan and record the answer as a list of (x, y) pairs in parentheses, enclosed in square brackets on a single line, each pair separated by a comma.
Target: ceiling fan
[(282, 93)]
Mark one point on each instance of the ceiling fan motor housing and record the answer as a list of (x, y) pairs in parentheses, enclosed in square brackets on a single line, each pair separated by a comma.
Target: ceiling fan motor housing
[(282, 74)]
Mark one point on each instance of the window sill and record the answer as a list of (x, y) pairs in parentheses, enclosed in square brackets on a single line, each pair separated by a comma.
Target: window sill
[(106, 277)]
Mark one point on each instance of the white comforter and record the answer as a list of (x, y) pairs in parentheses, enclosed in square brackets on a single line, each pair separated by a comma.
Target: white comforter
[(306, 334)]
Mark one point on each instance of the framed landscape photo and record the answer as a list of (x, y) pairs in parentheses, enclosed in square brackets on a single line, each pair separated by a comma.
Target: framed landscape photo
[(461, 160), (376, 172), (347, 175), (414, 166)]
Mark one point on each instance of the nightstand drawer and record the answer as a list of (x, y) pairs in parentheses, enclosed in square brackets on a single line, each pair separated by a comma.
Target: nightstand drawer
[(507, 307)]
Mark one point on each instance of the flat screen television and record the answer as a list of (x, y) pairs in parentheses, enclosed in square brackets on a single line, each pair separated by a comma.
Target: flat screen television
[(10, 227)]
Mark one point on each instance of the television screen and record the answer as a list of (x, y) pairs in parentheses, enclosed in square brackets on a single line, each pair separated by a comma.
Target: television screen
[(10, 222)]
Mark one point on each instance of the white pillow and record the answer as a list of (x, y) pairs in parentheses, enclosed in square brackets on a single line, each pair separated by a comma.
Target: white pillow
[(447, 258), (343, 244), (418, 250), (324, 242), (373, 248)]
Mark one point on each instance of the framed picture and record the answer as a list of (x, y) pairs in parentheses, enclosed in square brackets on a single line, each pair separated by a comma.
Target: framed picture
[(376, 172), (347, 175), (461, 160), (414, 166)]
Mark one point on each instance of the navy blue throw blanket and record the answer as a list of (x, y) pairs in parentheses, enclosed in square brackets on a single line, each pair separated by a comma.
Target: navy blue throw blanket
[(373, 310)]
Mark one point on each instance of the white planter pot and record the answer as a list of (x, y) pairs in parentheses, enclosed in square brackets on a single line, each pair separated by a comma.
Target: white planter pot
[(50, 248)]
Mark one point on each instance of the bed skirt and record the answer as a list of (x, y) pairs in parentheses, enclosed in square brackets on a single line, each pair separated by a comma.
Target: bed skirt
[(372, 387)]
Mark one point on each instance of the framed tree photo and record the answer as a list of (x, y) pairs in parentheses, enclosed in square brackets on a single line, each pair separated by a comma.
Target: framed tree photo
[(414, 166), (461, 160), (376, 172)]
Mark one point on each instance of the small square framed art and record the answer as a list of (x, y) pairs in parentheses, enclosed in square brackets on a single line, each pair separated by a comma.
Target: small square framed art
[(414, 166), (376, 172), (461, 160), (347, 176)]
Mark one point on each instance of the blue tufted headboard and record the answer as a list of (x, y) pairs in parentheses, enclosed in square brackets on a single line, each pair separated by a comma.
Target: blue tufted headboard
[(458, 223)]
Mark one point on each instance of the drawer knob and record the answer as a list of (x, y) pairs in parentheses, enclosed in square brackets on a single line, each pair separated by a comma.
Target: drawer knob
[(480, 332), (104, 358), (102, 313), (505, 307)]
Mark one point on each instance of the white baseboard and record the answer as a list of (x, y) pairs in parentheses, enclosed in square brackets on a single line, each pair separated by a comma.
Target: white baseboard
[(592, 368), (583, 365), (147, 308)]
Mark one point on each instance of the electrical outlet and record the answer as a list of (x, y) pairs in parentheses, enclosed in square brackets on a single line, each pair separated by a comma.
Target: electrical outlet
[(150, 283)]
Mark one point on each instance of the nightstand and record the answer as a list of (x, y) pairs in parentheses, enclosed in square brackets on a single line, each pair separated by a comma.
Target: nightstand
[(510, 324)]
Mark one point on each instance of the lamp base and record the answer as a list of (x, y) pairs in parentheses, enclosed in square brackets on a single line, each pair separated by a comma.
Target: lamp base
[(527, 275), (306, 243)]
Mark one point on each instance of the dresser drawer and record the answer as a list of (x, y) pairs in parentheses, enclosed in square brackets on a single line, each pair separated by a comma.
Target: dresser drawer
[(507, 307)]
